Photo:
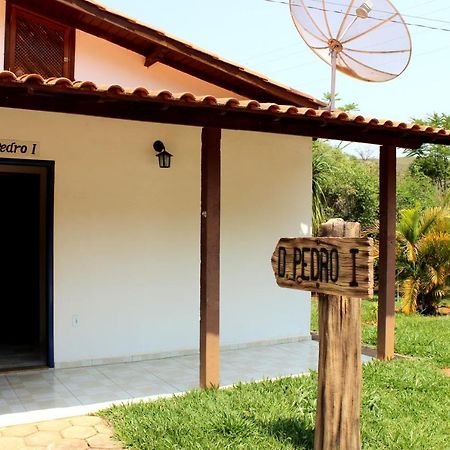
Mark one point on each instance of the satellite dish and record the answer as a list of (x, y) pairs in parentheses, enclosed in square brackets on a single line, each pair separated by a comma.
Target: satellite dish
[(365, 42)]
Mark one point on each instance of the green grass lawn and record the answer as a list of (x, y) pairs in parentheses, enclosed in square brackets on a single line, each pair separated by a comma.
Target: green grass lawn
[(405, 403), (415, 335)]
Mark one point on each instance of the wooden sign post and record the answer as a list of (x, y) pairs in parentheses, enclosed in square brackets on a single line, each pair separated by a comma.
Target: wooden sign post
[(339, 266)]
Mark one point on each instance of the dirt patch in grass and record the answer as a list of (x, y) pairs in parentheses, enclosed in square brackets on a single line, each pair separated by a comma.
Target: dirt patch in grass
[(444, 310)]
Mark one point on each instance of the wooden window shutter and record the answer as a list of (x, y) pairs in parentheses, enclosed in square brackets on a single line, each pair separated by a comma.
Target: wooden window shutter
[(38, 45)]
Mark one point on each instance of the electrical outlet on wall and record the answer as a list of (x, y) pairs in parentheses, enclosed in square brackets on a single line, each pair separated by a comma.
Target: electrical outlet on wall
[(75, 320)]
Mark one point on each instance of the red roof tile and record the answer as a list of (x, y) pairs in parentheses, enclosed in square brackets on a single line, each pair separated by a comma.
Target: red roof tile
[(142, 93)]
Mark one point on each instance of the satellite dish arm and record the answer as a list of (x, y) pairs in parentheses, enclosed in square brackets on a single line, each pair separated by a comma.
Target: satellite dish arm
[(333, 80)]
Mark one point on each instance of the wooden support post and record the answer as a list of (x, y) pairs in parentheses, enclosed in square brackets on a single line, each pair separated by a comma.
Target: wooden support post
[(210, 259), (386, 284), (339, 394)]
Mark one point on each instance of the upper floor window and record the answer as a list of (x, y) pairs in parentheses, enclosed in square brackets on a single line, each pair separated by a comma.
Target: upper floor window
[(35, 44)]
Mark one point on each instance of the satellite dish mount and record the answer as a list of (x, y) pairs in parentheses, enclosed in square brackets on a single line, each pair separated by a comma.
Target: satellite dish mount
[(336, 47)]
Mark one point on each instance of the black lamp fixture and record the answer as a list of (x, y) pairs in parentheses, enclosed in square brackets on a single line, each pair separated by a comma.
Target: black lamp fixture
[(163, 155)]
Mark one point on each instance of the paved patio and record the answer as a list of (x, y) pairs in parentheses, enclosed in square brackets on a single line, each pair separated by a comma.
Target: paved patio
[(39, 395), (75, 433)]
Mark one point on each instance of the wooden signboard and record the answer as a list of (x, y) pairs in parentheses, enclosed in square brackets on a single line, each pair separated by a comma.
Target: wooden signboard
[(339, 266), (327, 265)]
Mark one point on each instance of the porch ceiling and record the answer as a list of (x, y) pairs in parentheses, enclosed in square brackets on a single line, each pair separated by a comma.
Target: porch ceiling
[(62, 95)]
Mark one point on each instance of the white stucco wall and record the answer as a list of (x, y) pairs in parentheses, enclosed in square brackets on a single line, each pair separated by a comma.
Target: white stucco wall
[(127, 234), (106, 63), (266, 194)]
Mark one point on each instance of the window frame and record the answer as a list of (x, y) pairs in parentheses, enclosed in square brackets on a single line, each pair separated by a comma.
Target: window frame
[(12, 10)]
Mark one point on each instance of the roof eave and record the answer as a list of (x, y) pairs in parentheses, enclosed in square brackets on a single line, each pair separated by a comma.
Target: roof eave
[(170, 51), (190, 111)]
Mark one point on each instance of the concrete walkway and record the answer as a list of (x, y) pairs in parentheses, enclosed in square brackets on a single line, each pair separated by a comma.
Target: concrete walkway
[(76, 433), (46, 409), (36, 397)]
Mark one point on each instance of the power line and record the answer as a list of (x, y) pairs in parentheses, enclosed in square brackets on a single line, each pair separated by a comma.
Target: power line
[(301, 66), (374, 18), (388, 12), (270, 54)]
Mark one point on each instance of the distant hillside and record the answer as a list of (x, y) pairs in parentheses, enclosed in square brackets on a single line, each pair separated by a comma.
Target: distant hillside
[(403, 163)]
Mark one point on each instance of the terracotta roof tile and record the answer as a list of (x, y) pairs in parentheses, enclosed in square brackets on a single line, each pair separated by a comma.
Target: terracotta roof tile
[(86, 86), (33, 79), (8, 78), (250, 104), (359, 119), (187, 97), (163, 95), (229, 102), (61, 82), (271, 107), (140, 92)]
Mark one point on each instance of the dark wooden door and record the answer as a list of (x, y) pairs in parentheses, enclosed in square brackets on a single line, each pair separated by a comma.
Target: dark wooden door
[(23, 300)]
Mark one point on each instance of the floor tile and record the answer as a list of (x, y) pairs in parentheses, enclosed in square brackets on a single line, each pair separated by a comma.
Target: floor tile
[(7, 393), (101, 396), (149, 390), (11, 407), (37, 405)]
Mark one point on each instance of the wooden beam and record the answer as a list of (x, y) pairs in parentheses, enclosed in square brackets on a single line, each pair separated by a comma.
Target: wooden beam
[(386, 288), (210, 259), (102, 104), (155, 56)]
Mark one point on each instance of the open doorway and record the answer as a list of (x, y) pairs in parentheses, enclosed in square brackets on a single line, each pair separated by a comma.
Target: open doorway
[(25, 337)]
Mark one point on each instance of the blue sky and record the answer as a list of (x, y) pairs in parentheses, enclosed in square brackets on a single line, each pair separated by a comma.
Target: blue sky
[(260, 35)]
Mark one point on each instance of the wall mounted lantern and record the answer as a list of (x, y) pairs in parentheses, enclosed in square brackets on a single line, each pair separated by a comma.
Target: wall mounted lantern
[(163, 155)]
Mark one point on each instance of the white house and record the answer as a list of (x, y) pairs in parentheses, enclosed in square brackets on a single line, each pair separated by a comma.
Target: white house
[(108, 257), (114, 238)]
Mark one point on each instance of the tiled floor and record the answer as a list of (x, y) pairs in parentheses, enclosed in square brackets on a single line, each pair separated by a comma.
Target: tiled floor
[(58, 390)]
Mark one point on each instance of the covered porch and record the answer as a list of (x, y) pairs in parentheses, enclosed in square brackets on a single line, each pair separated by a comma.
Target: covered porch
[(38, 395), (213, 115)]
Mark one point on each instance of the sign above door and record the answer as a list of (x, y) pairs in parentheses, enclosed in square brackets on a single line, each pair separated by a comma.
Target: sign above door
[(10, 148)]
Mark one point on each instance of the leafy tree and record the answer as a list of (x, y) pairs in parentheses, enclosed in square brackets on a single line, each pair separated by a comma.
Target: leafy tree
[(348, 187), (424, 257), (320, 171), (437, 120), (433, 160), (347, 107), (415, 190)]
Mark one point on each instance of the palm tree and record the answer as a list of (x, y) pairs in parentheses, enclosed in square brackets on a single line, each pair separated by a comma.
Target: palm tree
[(424, 257)]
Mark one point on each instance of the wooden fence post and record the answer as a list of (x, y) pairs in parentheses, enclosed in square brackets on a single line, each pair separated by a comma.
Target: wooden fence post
[(339, 393)]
